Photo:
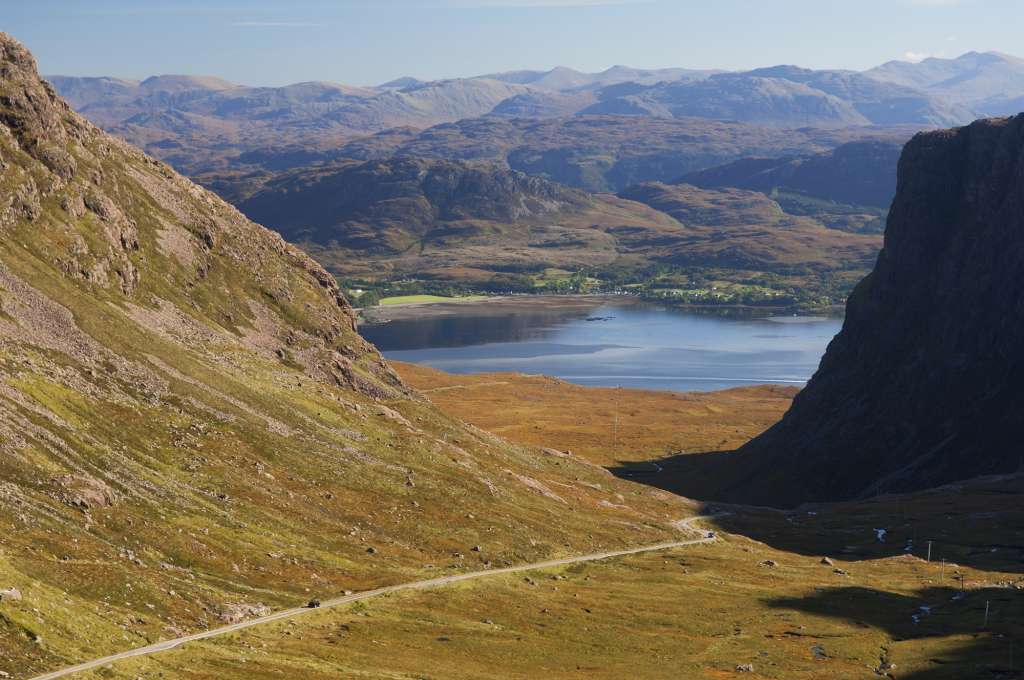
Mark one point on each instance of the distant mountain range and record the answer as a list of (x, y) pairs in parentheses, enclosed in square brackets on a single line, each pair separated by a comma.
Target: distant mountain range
[(595, 153), (781, 171), (988, 83), (783, 96), (207, 122)]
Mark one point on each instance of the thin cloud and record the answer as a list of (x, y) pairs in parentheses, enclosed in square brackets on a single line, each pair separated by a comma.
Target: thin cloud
[(917, 57)]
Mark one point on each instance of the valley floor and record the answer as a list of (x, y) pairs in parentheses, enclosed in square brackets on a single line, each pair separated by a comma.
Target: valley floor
[(812, 593), (702, 611), (606, 426)]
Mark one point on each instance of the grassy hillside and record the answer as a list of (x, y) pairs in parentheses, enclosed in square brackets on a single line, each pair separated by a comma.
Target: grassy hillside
[(737, 608), (192, 431)]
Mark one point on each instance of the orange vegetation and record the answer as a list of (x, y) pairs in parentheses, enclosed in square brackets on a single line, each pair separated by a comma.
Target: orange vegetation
[(605, 425)]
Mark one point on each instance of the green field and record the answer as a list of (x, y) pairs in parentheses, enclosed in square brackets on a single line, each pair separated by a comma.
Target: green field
[(421, 299)]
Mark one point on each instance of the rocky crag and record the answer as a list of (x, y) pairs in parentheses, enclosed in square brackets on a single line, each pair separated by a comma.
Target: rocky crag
[(925, 383)]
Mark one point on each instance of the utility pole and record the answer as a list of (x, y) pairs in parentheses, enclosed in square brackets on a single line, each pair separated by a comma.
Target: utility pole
[(929, 551), (942, 574), (985, 627)]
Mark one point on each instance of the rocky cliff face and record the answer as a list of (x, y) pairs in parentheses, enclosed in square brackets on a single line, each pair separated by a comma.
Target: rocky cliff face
[(925, 383)]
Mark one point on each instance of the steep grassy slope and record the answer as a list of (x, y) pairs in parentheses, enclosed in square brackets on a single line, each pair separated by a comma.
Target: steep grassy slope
[(191, 430)]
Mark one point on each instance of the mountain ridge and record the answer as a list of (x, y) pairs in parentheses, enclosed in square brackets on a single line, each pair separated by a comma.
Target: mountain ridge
[(183, 119), (991, 83), (483, 226)]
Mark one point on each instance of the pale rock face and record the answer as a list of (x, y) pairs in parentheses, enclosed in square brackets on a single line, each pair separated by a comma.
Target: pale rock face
[(84, 492), (10, 595)]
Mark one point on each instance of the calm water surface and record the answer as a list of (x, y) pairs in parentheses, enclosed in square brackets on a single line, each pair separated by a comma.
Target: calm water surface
[(628, 345)]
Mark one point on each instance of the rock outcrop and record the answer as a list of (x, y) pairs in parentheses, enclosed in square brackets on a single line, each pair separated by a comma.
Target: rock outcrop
[(10, 595), (925, 383), (114, 221)]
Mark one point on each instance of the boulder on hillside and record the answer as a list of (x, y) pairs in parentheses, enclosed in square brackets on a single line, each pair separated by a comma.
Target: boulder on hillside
[(85, 493), (238, 612), (10, 595)]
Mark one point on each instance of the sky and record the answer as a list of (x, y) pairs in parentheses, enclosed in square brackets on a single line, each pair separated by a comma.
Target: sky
[(367, 42)]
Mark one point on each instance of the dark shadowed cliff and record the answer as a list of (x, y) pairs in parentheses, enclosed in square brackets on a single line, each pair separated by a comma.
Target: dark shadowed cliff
[(924, 385)]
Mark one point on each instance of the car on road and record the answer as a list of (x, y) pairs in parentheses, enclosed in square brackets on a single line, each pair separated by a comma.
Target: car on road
[(313, 604)]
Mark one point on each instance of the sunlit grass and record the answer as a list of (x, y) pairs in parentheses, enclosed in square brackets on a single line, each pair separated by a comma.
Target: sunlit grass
[(421, 299)]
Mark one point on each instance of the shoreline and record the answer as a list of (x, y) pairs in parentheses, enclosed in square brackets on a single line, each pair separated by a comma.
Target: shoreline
[(503, 304), (498, 304)]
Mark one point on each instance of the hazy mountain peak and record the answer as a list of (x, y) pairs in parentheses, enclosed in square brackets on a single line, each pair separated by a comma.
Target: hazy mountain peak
[(987, 82), (179, 83), (780, 71), (401, 83)]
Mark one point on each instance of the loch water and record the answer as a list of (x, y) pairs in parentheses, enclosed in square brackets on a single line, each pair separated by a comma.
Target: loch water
[(627, 345)]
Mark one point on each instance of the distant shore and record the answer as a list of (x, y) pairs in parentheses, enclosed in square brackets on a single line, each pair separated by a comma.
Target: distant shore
[(499, 304), (507, 304)]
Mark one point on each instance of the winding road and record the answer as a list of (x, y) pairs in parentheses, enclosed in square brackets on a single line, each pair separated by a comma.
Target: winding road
[(368, 594)]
